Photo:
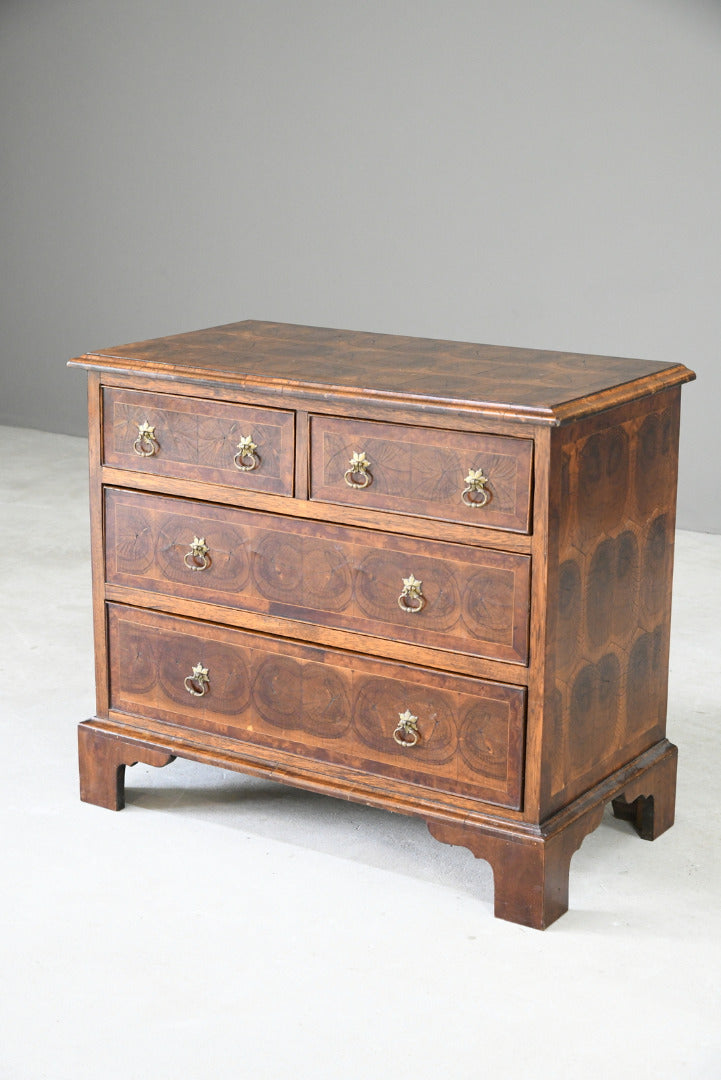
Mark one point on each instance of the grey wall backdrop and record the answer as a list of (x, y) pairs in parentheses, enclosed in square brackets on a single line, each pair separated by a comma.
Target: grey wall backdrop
[(507, 171)]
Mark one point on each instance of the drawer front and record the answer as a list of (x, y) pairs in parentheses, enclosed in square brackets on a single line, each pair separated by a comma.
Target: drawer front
[(423, 471), (443, 596), (325, 705), (196, 439)]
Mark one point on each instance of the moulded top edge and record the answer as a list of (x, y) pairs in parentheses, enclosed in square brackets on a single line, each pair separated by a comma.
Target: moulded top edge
[(547, 414)]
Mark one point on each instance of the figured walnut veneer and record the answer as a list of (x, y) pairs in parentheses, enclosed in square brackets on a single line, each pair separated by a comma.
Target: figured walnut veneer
[(254, 617), (416, 470), (309, 701), (613, 534), (476, 600), (197, 440)]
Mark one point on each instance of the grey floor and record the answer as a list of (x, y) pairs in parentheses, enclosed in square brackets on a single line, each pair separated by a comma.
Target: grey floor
[(227, 927)]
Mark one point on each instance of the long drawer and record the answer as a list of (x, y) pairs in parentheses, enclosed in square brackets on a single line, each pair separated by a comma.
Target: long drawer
[(427, 593), (194, 439), (445, 732), (478, 479)]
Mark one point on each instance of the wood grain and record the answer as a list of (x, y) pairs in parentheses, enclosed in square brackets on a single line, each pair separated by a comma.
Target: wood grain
[(102, 762), (322, 634), (542, 385), (536, 669), (422, 472), (475, 602), (197, 439), (531, 867), (388, 522), (321, 704), (451, 416), (610, 567), (97, 543)]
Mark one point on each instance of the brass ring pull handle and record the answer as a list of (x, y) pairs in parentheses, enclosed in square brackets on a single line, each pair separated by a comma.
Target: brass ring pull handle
[(358, 466), (411, 601), (246, 458), (407, 733), (198, 684), (146, 444), (476, 487), (197, 558)]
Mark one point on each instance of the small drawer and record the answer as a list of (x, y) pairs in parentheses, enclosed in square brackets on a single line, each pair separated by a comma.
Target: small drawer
[(194, 439), (445, 732), (443, 596), (454, 476)]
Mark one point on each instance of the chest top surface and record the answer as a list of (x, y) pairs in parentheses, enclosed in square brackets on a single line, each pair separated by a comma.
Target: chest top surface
[(545, 386)]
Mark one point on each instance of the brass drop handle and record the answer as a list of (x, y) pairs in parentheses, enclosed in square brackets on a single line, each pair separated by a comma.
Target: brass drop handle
[(411, 601), (146, 444), (198, 684), (197, 558), (476, 494), (247, 458), (358, 466), (407, 733)]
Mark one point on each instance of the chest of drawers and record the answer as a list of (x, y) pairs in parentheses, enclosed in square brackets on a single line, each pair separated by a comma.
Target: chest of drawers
[(429, 576)]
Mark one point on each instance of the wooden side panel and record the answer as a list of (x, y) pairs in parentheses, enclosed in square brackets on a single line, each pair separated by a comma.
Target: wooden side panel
[(324, 705), (197, 439), (475, 602), (422, 471), (609, 592)]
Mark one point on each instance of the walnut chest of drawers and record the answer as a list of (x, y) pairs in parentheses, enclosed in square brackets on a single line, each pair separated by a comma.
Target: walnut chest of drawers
[(429, 576)]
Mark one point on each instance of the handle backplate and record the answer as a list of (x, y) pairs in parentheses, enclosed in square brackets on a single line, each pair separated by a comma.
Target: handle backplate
[(407, 733), (476, 494), (146, 444), (197, 557), (411, 600), (358, 474), (198, 684), (247, 458)]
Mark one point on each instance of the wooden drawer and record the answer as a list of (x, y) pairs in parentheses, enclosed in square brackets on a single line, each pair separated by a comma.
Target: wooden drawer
[(328, 706), (196, 439), (469, 600), (422, 471)]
